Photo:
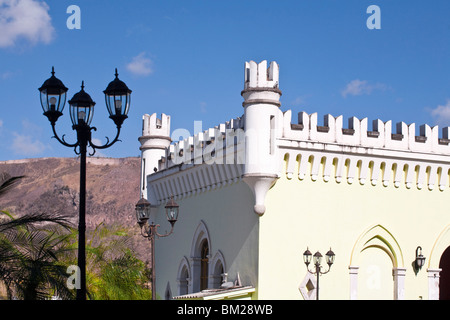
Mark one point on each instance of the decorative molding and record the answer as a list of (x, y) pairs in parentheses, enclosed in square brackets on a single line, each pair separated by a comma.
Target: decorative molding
[(361, 166), (378, 237), (259, 184), (184, 181)]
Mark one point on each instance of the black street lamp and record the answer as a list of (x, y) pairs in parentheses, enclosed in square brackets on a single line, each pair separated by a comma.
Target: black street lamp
[(53, 98), (150, 230), (317, 259), (419, 262)]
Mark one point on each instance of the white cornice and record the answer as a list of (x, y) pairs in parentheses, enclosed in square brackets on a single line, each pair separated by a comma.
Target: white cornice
[(189, 179)]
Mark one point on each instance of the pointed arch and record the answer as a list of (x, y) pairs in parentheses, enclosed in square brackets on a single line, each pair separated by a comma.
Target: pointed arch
[(379, 237), (439, 246), (184, 276), (168, 292), (200, 234), (217, 270), (200, 257)]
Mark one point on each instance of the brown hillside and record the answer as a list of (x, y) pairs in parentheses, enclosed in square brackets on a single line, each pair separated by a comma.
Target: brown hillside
[(52, 185)]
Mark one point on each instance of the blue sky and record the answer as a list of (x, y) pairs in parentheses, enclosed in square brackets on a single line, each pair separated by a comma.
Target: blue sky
[(186, 59)]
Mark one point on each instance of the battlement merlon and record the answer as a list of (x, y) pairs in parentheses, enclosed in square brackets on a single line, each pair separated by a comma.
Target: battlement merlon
[(357, 134), (152, 125), (261, 84), (155, 131)]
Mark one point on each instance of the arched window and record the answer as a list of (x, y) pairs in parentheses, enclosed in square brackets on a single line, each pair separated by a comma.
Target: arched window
[(217, 270), (183, 277), (200, 255), (184, 281), (204, 265)]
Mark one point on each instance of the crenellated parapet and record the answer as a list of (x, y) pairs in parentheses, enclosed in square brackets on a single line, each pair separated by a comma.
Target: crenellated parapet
[(261, 84), (356, 154), (206, 161), (258, 75), (155, 131), (383, 135), (223, 144)]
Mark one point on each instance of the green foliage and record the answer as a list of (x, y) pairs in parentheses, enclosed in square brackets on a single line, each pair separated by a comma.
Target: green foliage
[(112, 270), (122, 279), (36, 249), (29, 250)]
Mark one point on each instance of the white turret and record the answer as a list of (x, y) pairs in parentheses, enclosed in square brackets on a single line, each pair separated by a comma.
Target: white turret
[(263, 124), (154, 141)]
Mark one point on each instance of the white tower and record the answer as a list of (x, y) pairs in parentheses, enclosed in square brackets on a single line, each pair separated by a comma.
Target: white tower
[(154, 141), (263, 125)]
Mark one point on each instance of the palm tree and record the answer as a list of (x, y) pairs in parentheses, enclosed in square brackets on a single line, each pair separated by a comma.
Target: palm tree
[(36, 249), (29, 250), (33, 270)]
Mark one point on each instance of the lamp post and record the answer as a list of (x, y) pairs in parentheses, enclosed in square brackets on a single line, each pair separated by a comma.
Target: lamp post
[(317, 259), (53, 98), (150, 230)]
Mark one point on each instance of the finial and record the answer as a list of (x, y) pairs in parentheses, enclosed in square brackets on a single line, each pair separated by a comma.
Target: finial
[(53, 71), (117, 73), (82, 85)]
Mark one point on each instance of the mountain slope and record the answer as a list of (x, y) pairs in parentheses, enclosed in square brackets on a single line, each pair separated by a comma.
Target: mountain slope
[(52, 185)]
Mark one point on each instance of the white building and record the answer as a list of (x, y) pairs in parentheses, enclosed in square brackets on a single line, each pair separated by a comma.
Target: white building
[(256, 191)]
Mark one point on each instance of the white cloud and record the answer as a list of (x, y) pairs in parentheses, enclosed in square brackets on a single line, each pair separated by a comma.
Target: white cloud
[(140, 65), (27, 145), (6, 75), (24, 19), (97, 153), (359, 87), (300, 100), (441, 114)]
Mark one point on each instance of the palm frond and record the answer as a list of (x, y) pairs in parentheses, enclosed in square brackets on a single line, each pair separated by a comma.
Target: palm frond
[(30, 220), (8, 183)]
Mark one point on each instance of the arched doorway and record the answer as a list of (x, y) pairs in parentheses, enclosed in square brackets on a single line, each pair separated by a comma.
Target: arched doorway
[(444, 280)]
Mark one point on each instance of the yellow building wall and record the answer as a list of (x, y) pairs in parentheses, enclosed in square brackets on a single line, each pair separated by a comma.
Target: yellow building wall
[(373, 227)]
